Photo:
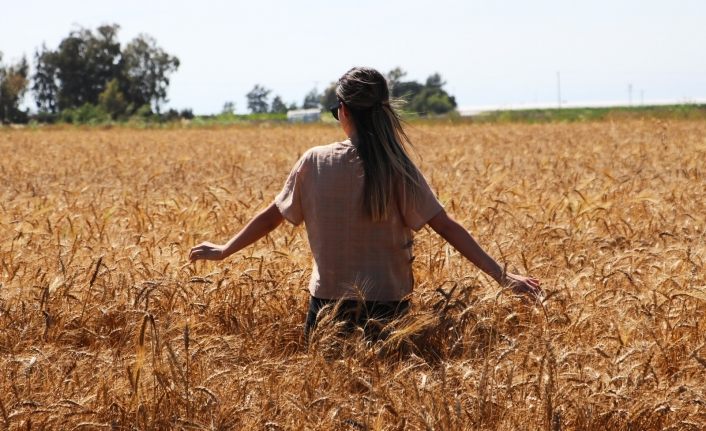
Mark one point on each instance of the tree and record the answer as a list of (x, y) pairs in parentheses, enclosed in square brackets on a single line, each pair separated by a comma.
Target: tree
[(85, 62), (429, 98), (435, 81), (433, 99), (171, 115), (112, 100), (399, 89), (147, 68), (103, 59), (257, 99), (312, 99), (278, 106), (228, 108), (328, 98), (407, 90), (45, 82), (13, 84), (78, 71), (394, 77)]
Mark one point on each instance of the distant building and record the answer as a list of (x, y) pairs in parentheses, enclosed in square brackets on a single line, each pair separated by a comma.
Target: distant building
[(304, 115), (469, 111)]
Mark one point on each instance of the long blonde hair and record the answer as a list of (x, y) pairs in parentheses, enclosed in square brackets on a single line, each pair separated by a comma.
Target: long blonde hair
[(380, 139)]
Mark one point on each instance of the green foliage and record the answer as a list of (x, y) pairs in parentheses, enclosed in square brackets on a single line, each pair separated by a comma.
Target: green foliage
[(44, 117), (407, 90), (257, 99), (143, 116), (312, 99), (394, 77), (265, 116), (171, 115), (85, 63), (328, 98), (186, 114), (112, 100), (85, 114), (45, 85), (226, 119), (143, 112), (78, 71), (13, 85), (228, 108), (434, 81), (278, 106), (432, 100), (423, 100), (146, 71)]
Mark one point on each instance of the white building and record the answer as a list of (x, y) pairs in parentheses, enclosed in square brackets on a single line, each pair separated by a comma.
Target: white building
[(304, 115), (469, 111)]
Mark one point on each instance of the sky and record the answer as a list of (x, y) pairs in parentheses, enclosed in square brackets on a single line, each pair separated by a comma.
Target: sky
[(490, 53)]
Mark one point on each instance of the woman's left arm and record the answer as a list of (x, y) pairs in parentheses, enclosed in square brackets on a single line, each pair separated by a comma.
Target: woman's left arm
[(461, 240), (262, 224)]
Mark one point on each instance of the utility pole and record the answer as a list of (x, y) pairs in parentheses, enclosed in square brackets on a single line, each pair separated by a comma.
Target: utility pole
[(558, 89), (630, 94)]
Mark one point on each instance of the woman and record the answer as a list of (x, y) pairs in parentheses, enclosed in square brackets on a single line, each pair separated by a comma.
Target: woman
[(360, 200)]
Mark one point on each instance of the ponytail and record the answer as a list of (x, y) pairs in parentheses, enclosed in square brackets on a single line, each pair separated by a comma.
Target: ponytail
[(381, 142)]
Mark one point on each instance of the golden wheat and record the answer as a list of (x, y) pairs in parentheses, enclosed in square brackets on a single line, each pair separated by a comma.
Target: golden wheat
[(103, 324)]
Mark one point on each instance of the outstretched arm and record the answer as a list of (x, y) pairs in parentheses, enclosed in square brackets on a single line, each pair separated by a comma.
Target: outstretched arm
[(461, 240), (259, 226)]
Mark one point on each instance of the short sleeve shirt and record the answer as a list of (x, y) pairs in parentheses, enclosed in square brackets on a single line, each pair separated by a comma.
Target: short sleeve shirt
[(354, 257)]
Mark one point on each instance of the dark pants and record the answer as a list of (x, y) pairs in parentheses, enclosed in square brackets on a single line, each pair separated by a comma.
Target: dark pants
[(369, 315)]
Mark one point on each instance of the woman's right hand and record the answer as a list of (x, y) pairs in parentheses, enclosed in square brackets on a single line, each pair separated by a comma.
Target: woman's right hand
[(208, 251), (522, 285)]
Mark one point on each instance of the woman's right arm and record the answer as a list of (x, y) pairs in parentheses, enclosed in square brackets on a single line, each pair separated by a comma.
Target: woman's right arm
[(461, 240)]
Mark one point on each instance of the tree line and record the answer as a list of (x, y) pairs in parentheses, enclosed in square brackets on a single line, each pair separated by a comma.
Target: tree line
[(429, 98), (91, 77)]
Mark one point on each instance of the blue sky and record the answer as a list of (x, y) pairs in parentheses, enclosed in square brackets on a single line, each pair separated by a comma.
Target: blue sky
[(489, 52)]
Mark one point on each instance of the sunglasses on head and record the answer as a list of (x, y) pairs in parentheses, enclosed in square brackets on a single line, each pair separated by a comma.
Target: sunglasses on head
[(334, 108)]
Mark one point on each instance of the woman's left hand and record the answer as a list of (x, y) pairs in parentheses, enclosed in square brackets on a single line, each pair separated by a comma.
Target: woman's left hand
[(207, 251)]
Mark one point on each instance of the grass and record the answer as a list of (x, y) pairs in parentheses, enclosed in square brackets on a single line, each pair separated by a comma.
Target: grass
[(531, 116), (103, 324), (663, 112)]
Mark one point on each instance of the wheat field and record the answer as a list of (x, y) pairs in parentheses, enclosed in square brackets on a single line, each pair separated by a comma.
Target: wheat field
[(105, 325)]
